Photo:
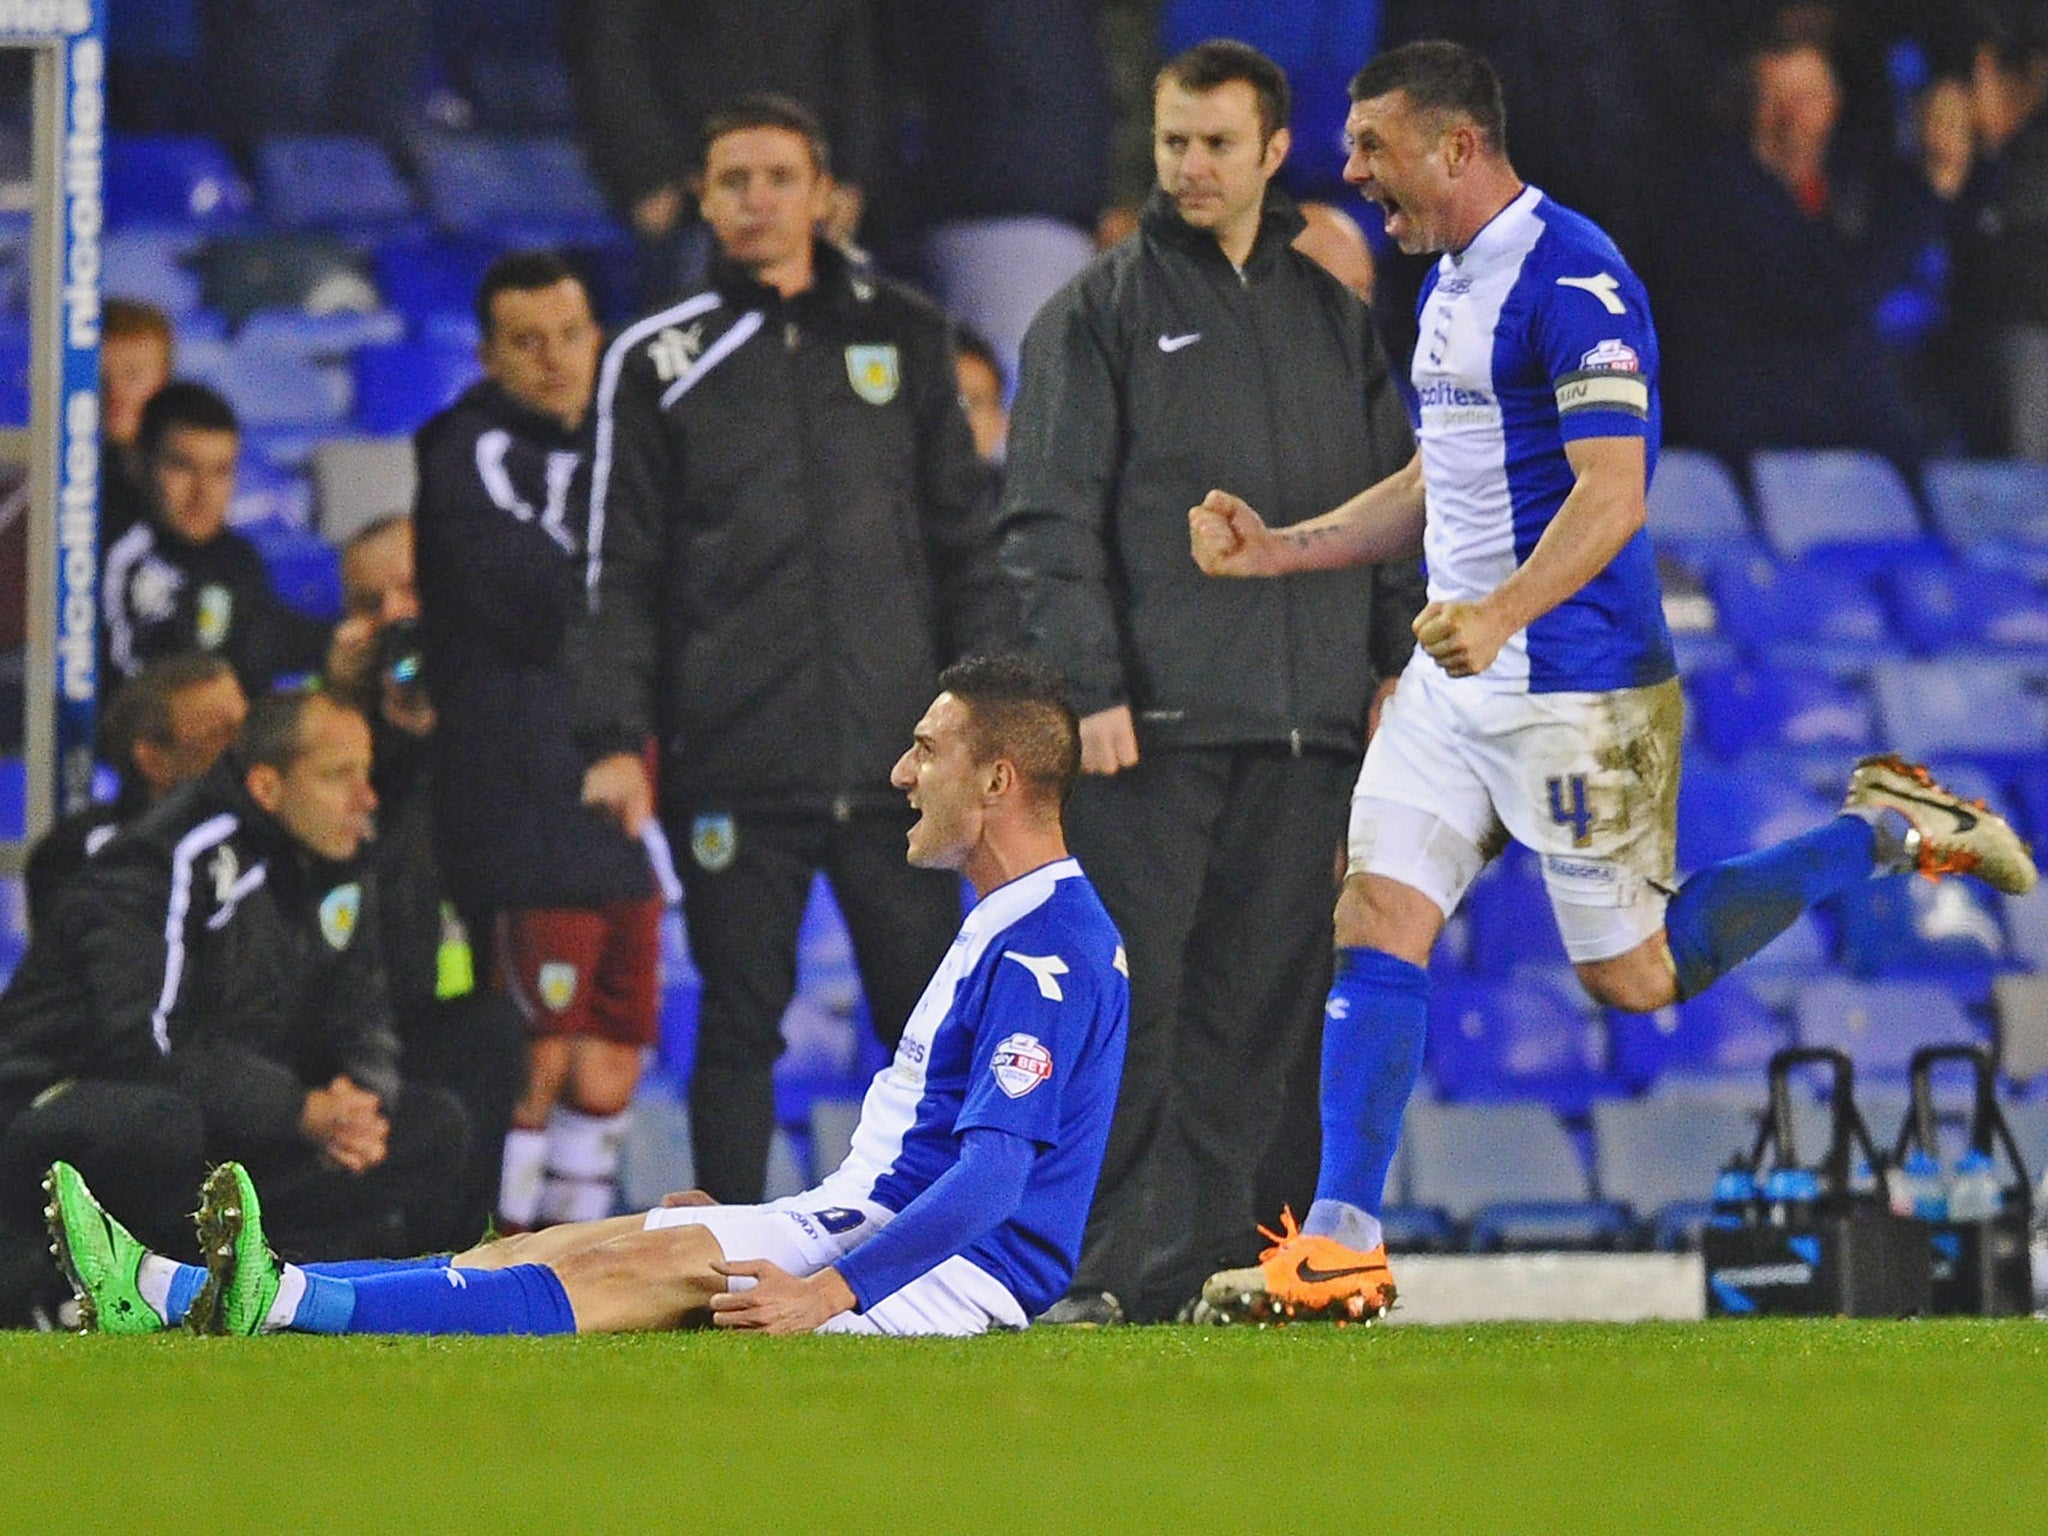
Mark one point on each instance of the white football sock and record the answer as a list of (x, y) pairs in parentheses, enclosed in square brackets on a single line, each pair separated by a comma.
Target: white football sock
[(1344, 1223), (521, 1174), (582, 1164)]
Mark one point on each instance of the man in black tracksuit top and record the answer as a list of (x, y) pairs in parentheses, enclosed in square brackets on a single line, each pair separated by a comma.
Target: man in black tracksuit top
[(1222, 726), (212, 987), (561, 900), (788, 540)]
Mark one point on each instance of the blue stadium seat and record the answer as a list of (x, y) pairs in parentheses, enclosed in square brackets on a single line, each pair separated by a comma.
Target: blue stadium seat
[(1694, 501), (423, 279), (1726, 1035), (1973, 501), (1723, 812), (270, 389), (1519, 1039), (1880, 1024), (1739, 709), (172, 178), (148, 263), (1659, 1155), (14, 360), (1942, 603), (2028, 803), (304, 572), (2026, 927), (1808, 498), (13, 798), (320, 180), (1812, 601), (479, 184), (1509, 918), (1904, 926), (268, 493), (1508, 1169), (327, 337), (399, 386), (1973, 703)]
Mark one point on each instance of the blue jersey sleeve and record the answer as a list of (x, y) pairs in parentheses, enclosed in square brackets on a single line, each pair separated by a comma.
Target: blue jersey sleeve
[(1021, 1049), (1593, 337)]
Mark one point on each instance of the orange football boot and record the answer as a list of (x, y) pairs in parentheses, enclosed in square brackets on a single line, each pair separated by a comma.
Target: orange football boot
[(1301, 1278)]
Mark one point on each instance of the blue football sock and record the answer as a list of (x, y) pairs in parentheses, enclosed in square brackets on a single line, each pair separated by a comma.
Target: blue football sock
[(1373, 1033), (185, 1286), (1729, 911), (363, 1269), (526, 1298)]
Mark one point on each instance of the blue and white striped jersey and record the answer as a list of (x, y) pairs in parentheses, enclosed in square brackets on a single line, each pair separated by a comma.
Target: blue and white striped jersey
[(1535, 334), (1021, 1030)]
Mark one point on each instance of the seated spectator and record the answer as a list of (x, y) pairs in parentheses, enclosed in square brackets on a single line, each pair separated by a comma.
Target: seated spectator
[(212, 986), (181, 579), (1994, 361), (1772, 262), (451, 1031), (135, 362), (164, 729)]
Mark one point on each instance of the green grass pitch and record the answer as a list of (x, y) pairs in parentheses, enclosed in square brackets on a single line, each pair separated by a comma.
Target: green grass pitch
[(1813, 1428)]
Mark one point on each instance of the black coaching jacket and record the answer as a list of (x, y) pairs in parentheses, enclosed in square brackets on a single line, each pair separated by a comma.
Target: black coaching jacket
[(501, 520), (204, 948), (789, 536), (1159, 373)]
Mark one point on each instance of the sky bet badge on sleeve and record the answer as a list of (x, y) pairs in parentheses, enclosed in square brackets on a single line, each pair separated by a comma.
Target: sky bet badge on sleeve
[(1020, 1064), (874, 373), (339, 909), (714, 843)]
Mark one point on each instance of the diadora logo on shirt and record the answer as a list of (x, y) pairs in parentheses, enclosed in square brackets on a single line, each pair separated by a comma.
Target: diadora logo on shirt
[(1175, 343), (1043, 968), (1612, 356), (1603, 286), (1020, 1064)]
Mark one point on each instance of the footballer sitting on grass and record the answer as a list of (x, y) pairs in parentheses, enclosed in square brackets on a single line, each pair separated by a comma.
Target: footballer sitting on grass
[(958, 1209)]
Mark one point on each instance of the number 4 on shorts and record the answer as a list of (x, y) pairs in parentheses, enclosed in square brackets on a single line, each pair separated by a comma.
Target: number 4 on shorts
[(1575, 815)]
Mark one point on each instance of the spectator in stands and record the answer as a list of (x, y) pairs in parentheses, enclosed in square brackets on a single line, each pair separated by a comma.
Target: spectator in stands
[(135, 362), (165, 728), (788, 538), (182, 580), (564, 898), (213, 985), (648, 76), (451, 1032), (1220, 730), (982, 393), (1331, 238), (1772, 263), (1995, 359)]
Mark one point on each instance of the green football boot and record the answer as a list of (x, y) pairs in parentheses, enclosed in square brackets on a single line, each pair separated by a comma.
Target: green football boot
[(242, 1274), (98, 1255)]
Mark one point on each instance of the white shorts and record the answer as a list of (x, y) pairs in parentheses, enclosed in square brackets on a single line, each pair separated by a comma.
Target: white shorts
[(805, 1233), (1588, 781)]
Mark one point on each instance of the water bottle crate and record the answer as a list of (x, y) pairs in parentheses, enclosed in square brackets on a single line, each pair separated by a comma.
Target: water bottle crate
[(1981, 1268), (1851, 1258)]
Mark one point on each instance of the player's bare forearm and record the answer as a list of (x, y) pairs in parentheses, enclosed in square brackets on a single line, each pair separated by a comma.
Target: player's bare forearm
[(1603, 512), (1382, 522)]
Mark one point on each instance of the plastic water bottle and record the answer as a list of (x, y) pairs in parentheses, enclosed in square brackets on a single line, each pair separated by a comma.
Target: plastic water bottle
[(1918, 1190), (1789, 1194), (1975, 1195)]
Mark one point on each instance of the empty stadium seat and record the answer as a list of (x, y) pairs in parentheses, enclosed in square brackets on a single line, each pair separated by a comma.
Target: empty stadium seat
[(1812, 601), (1519, 1039), (1726, 1034), (1975, 500), (1963, 703), (1509, 918), (1694, 501), (304, 572), (149, 263), (169, 177), (479, 183), (329, 179), (1941, 603), (1738, 709), (323, 337), (266, 493), (270, 389), (1658, 1155), (2026, 926), (1808, 498), (1880, 1024), (397, 387), (1510, 1170), (1723, 812), (1903, 926), (424, 279)]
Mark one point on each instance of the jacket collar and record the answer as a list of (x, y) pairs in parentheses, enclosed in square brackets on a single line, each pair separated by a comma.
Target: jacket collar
[(1280, 221), (840, 282), (489, 398), (262, 834)]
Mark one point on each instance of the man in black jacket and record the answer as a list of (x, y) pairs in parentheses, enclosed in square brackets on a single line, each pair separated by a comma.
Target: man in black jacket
[(181, 579), (787, 541), (213, 986), (559, 898), (1221, 730)]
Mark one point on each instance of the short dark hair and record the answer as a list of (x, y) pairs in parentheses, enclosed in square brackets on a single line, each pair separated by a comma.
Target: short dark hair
[(1440, 77), (522, 272), (766, 109), (274, 734), (1018, 708), (141, 711), (1215, 63), (182, 403)]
